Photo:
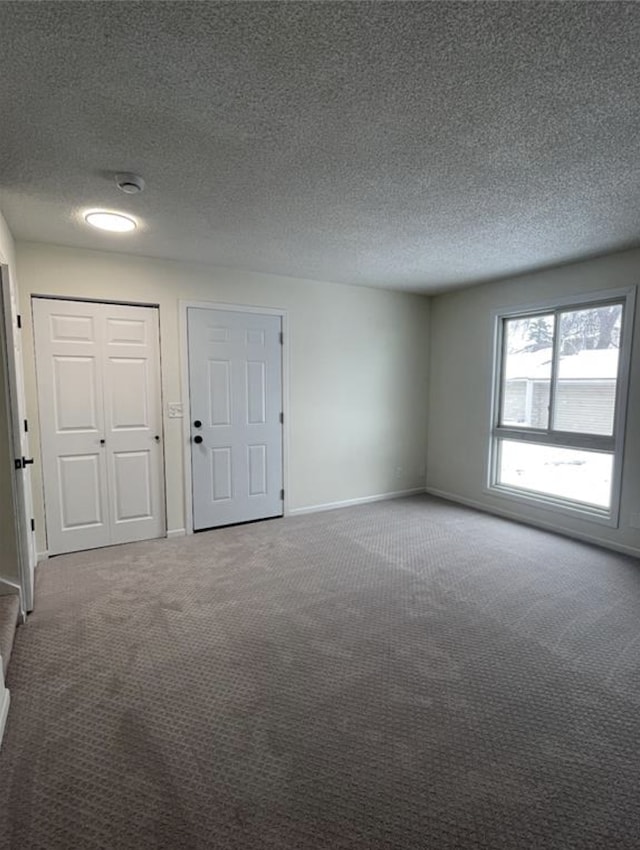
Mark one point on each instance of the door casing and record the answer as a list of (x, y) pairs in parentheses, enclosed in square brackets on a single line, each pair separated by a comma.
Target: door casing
[(186, 424), (22, 492)]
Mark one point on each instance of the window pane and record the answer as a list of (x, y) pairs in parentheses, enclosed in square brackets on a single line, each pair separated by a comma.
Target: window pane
[(526, 371), (572, 474), (587, 370)]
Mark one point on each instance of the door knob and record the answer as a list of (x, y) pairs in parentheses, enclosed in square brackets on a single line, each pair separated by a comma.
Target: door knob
[(157, 438), (197, 423), (197, 439), (102, 442)]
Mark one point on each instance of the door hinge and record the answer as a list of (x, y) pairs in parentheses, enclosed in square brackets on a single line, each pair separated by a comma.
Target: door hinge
[(33, 524), (281, 335), (26, 426), (281, 495), (282, 418), (19, 320)]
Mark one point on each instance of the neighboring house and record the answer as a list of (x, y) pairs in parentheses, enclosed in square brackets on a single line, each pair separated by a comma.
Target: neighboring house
[(585, 398)]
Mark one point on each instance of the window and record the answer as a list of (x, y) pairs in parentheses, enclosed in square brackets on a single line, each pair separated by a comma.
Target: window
[(561, 383)]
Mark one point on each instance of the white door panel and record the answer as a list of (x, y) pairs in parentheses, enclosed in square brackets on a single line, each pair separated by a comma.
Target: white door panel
[(133, 411), (75, 406), (257, 466), (235, 389), (80, 487), (129, 393), (123, 331), (221, 465), (133, 497), (100, 421), (69, 343)]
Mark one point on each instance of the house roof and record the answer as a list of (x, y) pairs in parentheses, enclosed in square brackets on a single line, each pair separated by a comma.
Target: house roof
[(596, 364)]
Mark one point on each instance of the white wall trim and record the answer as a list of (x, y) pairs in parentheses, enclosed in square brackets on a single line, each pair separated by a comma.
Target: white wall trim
[(5, 700), (42, 556), (546, 526), (183, 306), (362, 500), (176, 532)]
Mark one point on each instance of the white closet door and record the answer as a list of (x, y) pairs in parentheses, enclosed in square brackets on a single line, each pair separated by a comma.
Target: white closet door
[(235, 398), (98, 371), (69, 349), (133, 422)]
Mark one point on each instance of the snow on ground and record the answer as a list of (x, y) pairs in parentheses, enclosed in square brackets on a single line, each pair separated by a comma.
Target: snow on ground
[(567, 473)]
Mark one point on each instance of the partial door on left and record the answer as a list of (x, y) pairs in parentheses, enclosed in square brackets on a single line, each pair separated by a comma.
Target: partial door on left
[(98, 370), (17, 434)]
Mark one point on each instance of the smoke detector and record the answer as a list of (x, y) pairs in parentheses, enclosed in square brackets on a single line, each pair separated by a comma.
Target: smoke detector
[(130, 184)]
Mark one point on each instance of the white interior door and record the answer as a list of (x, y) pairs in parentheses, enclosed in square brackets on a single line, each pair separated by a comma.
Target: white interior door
[(19, 435), (69, 338), (235, 392), (98, 368)]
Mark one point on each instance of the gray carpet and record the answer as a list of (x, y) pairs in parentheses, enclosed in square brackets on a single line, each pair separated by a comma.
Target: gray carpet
[(408, 674)]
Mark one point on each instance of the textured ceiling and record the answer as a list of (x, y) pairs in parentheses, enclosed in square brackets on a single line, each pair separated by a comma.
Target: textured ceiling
[(410, 145)]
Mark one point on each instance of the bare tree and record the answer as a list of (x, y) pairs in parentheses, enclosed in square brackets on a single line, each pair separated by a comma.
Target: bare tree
[(580, 330), (609, 326)]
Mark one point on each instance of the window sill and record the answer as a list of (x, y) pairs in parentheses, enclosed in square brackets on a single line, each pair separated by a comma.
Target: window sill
[(601, 516)]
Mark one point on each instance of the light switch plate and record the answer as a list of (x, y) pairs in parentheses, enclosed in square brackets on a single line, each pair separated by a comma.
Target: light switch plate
[(175, 410)]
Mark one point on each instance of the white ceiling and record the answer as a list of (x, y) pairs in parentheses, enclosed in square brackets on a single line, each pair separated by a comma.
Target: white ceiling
[(397, 144)]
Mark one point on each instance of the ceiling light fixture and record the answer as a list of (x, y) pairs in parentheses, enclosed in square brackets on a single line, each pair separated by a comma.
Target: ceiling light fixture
[(113, 221)]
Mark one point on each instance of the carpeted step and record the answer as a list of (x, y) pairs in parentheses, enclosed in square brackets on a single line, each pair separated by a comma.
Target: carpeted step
[(9, 611)]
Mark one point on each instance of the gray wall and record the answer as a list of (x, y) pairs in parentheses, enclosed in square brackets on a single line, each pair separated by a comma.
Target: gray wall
[(358, 367), (359, 376), (460, 390)]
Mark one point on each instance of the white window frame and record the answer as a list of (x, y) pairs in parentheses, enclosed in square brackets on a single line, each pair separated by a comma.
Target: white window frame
[(613, 444)]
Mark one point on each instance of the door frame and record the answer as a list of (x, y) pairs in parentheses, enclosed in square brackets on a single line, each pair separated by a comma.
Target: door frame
[(163, 464), (183, 308), (22, 493)]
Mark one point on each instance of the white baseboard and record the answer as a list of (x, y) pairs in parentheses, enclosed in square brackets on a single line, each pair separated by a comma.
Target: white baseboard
[(547, 526), (175, 532), (42, 556), (349, 503), (5, 699)]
